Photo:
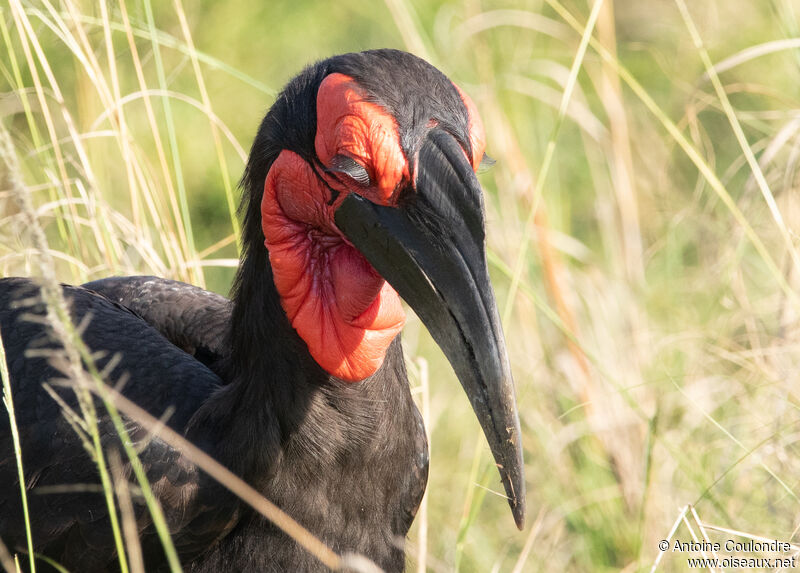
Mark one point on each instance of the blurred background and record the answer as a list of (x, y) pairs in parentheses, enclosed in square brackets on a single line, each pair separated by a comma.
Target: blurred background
[(642, 227)]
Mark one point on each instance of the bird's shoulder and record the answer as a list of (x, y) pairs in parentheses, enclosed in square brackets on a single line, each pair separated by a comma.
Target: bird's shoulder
[(193, 319), (68, 510)]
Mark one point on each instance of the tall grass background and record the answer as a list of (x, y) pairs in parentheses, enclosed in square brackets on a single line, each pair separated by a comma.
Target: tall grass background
[(642, 232)]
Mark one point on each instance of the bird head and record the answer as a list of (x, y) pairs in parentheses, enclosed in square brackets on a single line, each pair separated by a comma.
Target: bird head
[(365, 167)]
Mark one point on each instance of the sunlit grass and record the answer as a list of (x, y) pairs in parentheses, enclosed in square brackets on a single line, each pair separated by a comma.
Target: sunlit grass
[(642, 235)]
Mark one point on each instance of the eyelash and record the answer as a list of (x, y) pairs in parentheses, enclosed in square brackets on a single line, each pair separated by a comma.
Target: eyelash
[(342, 164), (486, 163)]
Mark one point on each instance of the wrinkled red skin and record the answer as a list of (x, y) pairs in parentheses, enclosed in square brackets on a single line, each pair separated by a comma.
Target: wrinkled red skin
[(477, 135), (338, 304), (344, 311)]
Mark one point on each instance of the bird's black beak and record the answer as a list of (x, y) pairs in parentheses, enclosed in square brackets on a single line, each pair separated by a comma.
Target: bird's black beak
[(431, 250)]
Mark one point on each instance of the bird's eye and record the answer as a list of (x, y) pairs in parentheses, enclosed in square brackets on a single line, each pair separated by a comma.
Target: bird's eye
[(486, 163), (351, 168)]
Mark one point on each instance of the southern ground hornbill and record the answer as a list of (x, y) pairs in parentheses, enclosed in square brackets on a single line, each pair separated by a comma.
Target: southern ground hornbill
[(360, 189)]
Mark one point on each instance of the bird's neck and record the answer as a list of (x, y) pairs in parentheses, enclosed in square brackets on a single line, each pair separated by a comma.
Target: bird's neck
[(347, 460), (269, 375), (278, 394)]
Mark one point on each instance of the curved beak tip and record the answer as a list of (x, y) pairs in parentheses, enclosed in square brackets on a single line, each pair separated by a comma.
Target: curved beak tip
[(517, 503), (518, 509), (514, 481)]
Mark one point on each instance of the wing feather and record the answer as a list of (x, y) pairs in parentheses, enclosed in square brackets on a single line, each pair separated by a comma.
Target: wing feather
[(70, 518), (191, 318)]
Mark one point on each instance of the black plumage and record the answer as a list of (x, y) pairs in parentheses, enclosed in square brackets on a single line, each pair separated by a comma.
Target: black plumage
[(313, 440), (347, 460)]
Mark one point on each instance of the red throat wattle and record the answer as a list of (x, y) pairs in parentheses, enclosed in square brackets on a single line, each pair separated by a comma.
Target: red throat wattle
[(345, 312)]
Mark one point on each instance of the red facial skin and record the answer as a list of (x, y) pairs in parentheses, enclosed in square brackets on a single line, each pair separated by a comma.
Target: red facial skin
[(477, 136), (338, 304)]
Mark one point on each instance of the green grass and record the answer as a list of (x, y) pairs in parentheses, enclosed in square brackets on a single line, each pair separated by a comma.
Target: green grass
[(643, 218)]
